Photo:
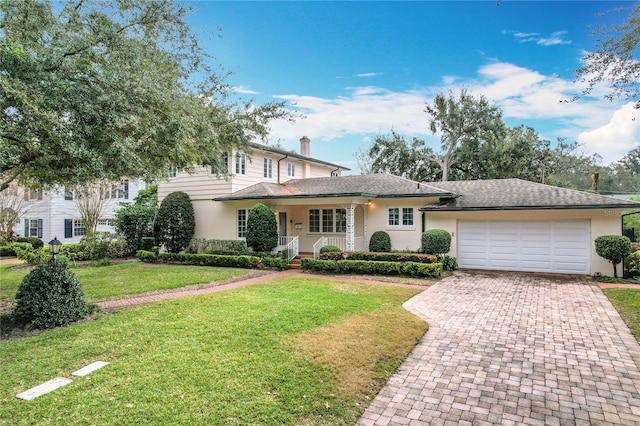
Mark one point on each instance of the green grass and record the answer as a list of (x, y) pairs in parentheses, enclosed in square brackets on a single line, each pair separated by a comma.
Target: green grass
[(236, 357), (111, 282), (627, 303)]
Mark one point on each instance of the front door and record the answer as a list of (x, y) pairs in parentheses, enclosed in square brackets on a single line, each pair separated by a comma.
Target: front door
[(282, 224)]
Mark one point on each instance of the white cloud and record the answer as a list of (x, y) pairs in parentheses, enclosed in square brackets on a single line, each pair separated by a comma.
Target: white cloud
[(617, 137), (244, 90), (368, 74), (555, 38), (525, 96)]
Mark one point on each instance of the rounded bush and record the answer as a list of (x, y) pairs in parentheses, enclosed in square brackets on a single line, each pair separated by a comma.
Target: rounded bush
[(262, 229), (436, 241), (380, 242), (175, 222), (614, 248), (49, 296), (35, 242), (330, 249)]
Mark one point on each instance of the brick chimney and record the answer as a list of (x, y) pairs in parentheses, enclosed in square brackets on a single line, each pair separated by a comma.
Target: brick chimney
[(304, 146)]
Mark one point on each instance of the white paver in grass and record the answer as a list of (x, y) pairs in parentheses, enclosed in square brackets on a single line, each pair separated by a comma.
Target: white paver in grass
[(44, 388), (89, 368)]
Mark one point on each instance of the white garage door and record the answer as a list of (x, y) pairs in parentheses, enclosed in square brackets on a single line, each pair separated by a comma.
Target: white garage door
[(546, 246)]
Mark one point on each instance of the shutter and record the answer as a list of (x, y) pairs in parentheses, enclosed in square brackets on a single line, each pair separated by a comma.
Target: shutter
[(39, 228), (68, 228), (26, 227), (126, 189)]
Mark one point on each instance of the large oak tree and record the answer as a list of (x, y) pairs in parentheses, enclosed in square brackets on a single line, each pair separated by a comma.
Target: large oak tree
[(95, 89)]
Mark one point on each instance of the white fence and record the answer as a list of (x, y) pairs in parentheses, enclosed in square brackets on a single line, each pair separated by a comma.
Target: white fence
[(290, 244)]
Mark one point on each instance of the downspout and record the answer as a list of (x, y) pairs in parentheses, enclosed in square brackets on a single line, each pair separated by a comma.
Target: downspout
[(286, 156)]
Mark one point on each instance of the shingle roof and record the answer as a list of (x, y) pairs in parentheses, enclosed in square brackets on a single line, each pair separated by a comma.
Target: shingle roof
[(371, 186), (517, 194)]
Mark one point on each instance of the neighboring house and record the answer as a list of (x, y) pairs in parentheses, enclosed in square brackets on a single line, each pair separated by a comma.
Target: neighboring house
[(54, 213), (507, 224)]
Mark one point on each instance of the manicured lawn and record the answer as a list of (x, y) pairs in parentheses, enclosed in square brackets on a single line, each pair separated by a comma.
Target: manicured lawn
[(111, 282), (627, 303), (293, 350)]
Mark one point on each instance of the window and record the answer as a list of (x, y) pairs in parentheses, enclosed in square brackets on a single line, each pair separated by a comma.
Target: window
[(78, 228), (172, 171), (33, 228), (335, 173), (341, 220), (68, 193), (291, 170), (241, 163), (314, 220), (225, 162), (268, 168), (118, 191), (400, 216), (327, 220), (242, 223), (105, 222), (33, 194)]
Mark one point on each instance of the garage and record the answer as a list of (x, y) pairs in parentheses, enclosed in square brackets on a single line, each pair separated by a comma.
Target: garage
[(562, 246)]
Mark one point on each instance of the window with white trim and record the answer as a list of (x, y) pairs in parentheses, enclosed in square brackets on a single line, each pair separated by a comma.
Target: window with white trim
[(172, 171), (117, 191), (33, 228), (105, 222), (33, 194), (291, 170), (242, 223), (268, 168), (400, 216), (327, 220), (79, 229), (241, 163)]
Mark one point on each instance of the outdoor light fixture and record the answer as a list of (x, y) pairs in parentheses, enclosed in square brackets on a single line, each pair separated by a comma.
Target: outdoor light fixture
[(54, 247)]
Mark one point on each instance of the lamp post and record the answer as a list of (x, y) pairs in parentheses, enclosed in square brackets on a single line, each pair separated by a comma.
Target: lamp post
[(54, 247)]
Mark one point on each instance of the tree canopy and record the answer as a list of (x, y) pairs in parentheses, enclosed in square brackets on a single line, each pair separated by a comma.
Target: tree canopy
[(95, 90)]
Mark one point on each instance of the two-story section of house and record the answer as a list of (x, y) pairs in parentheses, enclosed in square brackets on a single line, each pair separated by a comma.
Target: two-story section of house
[(267, 165), (54, 212)]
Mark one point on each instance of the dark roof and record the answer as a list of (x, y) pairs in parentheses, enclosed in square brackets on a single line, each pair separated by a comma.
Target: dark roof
[(371, 186), (294, 154), (517, 194)]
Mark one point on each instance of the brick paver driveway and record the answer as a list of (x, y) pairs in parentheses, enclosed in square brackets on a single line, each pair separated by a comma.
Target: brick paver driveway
[(514, 349)]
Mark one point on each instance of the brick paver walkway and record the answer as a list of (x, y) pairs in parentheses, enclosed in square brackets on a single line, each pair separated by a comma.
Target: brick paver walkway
[(514, 349)]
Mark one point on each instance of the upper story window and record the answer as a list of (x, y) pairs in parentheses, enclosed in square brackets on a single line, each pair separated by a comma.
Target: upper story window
[(225, 162), (172, 171), (68, 193), (291, 170), (33, 194), (268, 168), (400, 216), (241, 163), (118, 191)]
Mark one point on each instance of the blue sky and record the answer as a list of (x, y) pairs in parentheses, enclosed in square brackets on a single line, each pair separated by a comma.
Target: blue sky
[(357, 69)]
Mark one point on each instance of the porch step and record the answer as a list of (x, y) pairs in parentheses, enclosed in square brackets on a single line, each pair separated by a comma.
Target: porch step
[(296, 261)]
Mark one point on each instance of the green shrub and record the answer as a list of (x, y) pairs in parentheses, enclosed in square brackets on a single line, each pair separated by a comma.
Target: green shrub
[(262, 229), (147, 256), (449, 263), (11, 248), (392, 257), (242, 261), (422, 269), (317, 265), (175, 222), (49, 296), (135, 220), (103, 245), (35, 242), (147, 243), (277, 262), (614, 248), (632, 263), (436, 241), (105, 261), (330, 249), (380, 242), (201, 245), (33, 257)]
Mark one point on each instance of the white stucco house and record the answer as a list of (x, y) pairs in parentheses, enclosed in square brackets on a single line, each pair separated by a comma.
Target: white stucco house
[(507, 224), (54, 213)]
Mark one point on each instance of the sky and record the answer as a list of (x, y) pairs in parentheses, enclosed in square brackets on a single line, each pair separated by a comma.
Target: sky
[(354, 70)]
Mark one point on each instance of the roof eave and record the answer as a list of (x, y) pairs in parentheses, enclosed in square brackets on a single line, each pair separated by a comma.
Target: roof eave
[(494, 208), (334, 195)]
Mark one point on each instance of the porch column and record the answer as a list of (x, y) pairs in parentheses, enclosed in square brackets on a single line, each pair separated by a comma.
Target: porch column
[(365, 231), (350, 227)]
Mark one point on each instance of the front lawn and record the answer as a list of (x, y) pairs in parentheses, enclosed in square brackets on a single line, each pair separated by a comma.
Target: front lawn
[(627, 303), (111, 282), (296, 350)]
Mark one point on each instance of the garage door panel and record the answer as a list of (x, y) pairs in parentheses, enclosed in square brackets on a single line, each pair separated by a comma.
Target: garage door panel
[(543, 246)]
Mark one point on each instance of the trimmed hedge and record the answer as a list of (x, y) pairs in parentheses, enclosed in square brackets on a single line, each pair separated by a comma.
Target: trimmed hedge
[(436, 241), (381, 257), (201, 259), (380, 242), (201, 245), (415, 269), (330, 249), (35, 242)]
